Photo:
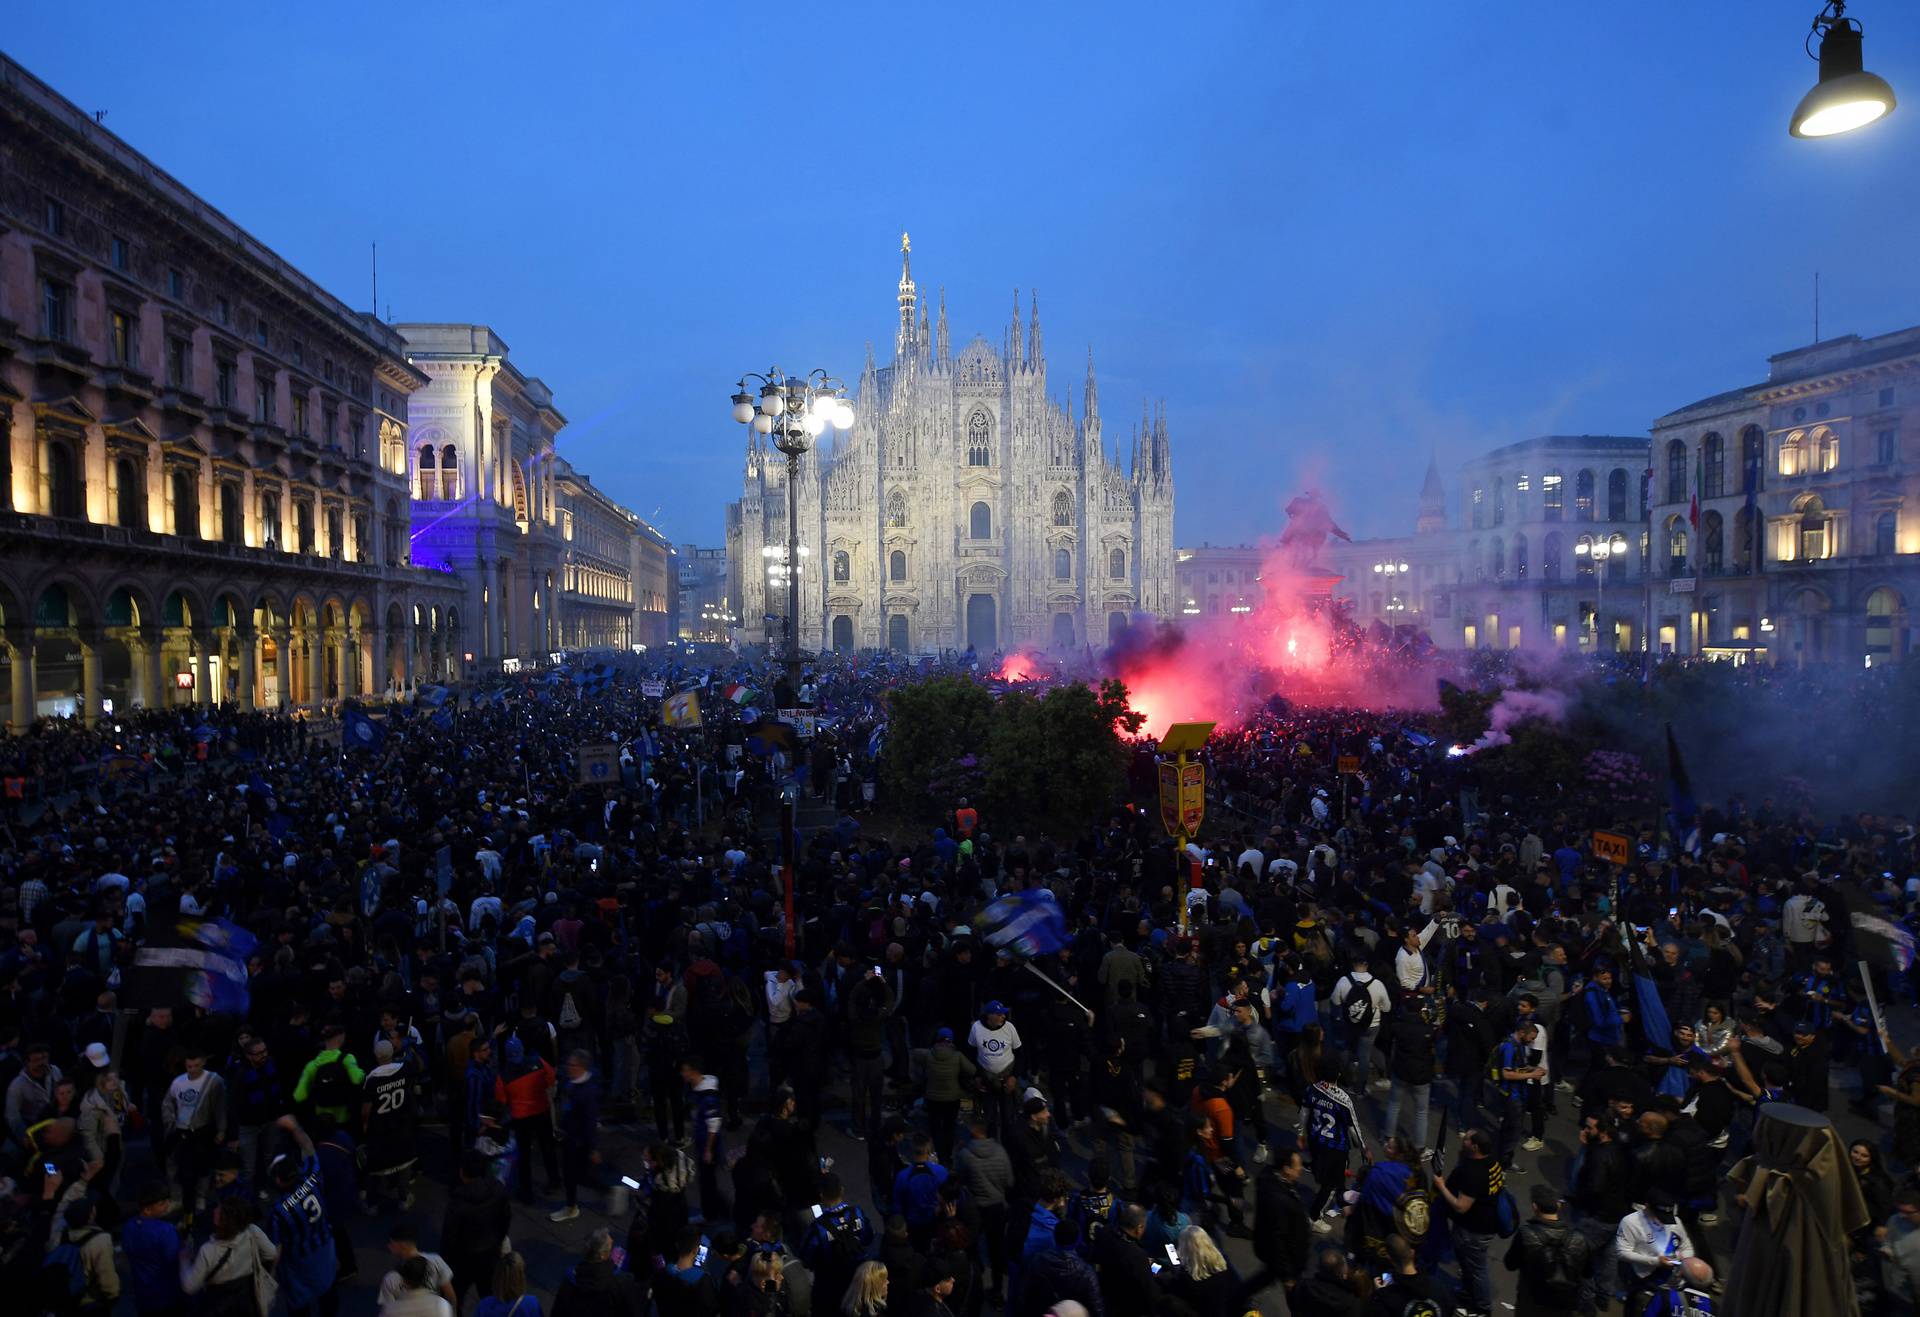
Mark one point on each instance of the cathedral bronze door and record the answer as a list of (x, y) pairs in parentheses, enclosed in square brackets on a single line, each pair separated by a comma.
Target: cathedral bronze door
[(982, 628), (897, 633), (842, 634)]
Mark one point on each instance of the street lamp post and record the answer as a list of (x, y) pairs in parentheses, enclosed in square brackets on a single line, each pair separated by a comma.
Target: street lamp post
[(1392, 571), (1599, 551), (794, 410)]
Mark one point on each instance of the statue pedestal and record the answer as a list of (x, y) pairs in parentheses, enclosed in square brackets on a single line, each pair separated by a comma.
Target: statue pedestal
[(1316, 582)]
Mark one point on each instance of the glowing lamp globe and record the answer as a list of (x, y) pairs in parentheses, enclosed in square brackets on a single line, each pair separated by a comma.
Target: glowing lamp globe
[(763, 423), (843, 415), (1847, 96), (772, 401), (743, 407)]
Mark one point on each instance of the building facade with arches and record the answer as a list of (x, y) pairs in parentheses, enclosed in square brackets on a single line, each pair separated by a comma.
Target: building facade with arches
[(484, 473), (967, 507), (203, 467), (1806, 547), (1547, 534)]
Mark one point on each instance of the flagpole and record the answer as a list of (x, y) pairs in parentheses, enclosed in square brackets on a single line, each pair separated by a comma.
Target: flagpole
[(1047, 979)]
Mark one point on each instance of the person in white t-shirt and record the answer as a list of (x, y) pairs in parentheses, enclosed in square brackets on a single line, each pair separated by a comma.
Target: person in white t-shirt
[(994, 1040), (194, 1117), (1803, 922)]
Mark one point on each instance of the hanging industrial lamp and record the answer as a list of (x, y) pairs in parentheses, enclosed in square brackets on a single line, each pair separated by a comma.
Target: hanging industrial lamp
[(1847, 96)]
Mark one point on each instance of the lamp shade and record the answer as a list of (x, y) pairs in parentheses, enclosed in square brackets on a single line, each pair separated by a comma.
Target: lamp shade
[(1847, 96)]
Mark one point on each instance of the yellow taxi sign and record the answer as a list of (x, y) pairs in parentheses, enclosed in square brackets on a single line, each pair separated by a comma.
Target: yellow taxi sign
[(1612, 847)]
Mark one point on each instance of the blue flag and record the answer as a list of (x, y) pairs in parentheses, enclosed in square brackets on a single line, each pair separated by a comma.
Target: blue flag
[(442, 720), (1653, 1012), (203, 961), (360, 732), (1681, 806), (431, 696), (1028, 923)]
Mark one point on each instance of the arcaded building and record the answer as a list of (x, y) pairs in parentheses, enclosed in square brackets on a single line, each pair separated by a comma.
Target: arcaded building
[(203, 479)]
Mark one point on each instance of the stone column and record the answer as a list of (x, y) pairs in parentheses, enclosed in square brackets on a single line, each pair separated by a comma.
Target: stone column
[(90, 677), (19, 643), (549, 611), (247, 642), (154, 665), (202, 682), (282, 637), (316, 641), (490, 612), (409, 637), (382, 664), (345, 652)]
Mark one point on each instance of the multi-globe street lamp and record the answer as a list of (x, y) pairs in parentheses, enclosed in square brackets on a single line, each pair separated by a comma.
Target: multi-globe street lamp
[(794, 410), (1390, 572), (1598, 552)]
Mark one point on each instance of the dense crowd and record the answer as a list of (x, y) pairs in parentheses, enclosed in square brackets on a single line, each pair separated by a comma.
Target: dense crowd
[(1328, 1037)]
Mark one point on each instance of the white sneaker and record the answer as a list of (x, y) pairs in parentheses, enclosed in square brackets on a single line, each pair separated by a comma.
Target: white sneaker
[(1564, 1086), (1323, 1226), (1533, 1145), (1261, 1155), (563, 1214)]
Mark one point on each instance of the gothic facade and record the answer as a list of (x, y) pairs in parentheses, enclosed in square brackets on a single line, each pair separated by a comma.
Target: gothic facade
[(966, 507)]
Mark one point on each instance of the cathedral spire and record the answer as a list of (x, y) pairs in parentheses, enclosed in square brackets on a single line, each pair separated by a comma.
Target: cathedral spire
[(909, 298), (1433, 500), (1141, 438), (1162, 462), (1014, 349), (1093, 388), (940, 334), (1034, 355)]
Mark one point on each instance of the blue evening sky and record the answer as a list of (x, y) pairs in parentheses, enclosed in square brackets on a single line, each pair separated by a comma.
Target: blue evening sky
[(1331, 237)]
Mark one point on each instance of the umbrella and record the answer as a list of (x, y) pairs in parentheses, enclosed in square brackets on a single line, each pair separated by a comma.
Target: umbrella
[(1802, 1202)]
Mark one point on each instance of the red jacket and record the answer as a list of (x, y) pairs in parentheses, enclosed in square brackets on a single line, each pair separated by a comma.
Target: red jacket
[(526, 1095)]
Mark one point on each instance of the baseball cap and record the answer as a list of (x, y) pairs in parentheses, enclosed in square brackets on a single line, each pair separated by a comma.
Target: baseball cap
[(97, 1055), (943, 1034), (994, 1008)]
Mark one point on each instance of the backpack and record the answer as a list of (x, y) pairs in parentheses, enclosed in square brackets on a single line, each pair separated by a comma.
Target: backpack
[(63, 1275), (844, 1251), (737, 1007), (1506, 1214), (1359, 1006), (332, 1086)]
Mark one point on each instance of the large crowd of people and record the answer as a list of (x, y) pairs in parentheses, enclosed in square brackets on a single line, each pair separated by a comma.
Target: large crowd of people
[(1316, 1057)]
